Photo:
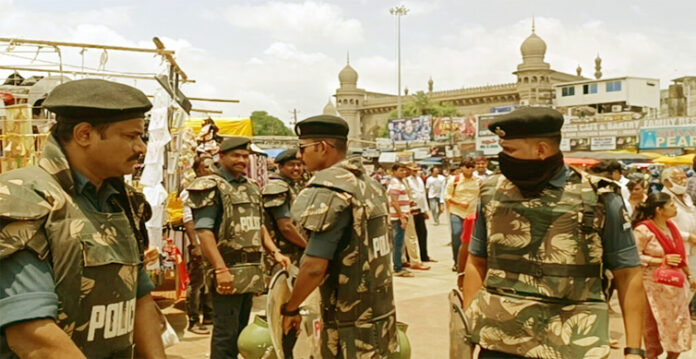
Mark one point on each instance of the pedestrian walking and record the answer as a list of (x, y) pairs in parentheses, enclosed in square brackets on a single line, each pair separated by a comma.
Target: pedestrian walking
[(349, 251), (435, 184), (534, 282), (461, 198), (72, 234)]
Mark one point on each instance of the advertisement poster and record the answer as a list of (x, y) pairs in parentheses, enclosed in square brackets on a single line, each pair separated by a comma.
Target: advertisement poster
[(580, 144), (483, 122), (416, 129), (668, 137), (457, 128), (488, 145), (623, 142)]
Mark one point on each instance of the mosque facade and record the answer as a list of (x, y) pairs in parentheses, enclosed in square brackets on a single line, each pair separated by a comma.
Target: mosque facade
[(367, 112)]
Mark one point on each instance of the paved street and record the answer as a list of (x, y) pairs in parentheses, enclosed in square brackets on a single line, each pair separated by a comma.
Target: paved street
[(421, 302)]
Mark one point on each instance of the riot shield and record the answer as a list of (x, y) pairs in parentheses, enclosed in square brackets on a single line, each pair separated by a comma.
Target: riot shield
[(460, 347), (278, 293)]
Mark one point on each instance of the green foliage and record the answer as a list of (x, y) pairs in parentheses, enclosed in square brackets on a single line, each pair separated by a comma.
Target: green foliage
[(419, 104), (267, 125)]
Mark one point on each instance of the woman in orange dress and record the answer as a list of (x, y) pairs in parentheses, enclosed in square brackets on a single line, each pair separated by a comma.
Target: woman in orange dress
[(667, 321)]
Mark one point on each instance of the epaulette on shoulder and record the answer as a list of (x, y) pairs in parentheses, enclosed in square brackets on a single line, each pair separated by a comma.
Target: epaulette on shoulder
[(336, 178), (275, 186), (202, 184)]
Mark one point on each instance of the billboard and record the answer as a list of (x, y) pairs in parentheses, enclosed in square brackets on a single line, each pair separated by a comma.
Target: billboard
[(486, 141), (457, 128), (668, 137), (415, 129)]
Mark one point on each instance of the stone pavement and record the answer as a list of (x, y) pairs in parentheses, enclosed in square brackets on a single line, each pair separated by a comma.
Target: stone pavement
[(421, 302)]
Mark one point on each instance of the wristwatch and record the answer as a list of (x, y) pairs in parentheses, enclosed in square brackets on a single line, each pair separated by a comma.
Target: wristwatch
[(287, 313), (636, 351)]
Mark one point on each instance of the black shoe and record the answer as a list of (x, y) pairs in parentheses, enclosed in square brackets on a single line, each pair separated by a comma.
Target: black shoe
[(207, 321), (197, 328)]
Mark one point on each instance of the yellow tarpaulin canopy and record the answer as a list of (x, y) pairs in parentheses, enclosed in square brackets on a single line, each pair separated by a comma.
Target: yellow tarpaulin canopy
[(227, 126), (676, 160)]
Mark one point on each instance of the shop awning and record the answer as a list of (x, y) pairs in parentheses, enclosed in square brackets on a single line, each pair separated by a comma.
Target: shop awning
[(227, 126), (676, 160)]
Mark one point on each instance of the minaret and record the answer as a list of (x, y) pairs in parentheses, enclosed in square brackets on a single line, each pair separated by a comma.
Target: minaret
[(598, 67), (579, 71), (430, 85), (349, 99)]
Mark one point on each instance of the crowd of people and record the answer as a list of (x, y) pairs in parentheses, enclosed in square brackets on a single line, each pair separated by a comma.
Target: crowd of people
[(535, 242)]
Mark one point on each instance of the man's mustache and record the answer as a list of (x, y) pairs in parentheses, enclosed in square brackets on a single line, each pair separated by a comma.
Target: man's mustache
[(134, 157)]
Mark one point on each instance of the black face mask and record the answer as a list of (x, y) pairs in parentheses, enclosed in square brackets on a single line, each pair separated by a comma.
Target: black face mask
[(530, 176)]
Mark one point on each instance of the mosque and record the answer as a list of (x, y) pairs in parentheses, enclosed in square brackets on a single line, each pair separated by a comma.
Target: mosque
[(367, 111)]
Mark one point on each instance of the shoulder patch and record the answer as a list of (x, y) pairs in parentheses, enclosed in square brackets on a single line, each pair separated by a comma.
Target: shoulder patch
[(316, 209)]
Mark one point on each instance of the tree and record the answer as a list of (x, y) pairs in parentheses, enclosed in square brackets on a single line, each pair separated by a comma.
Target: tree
[(267, 125)]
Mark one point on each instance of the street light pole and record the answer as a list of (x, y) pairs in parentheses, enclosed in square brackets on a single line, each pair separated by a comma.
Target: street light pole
[(398, 11)]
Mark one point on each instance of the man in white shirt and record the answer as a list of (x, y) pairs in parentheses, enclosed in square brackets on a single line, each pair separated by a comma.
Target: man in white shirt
[(481, 170), (417, 234), (435, 186)]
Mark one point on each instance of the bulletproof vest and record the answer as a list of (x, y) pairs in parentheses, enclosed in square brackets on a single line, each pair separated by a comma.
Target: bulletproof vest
[(357, 297), (276, 193), (239, 232), (94, 256), (544, 287)]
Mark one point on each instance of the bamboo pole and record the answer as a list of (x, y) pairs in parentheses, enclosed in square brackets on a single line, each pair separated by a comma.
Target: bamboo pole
[(161, 51)]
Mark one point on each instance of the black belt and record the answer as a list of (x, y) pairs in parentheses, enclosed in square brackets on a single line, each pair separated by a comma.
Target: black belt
[(537, 269), (231, 256)]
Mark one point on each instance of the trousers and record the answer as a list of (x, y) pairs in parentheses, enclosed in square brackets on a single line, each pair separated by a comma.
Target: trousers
[(230, 316), (197, 297), (456, 226), (411, 238), (398, 245)]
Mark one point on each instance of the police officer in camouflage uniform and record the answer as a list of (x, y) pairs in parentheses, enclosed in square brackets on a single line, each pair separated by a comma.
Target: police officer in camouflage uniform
[(228, 218), (278, 195), (349, 250), (72, 234), (534, 285)]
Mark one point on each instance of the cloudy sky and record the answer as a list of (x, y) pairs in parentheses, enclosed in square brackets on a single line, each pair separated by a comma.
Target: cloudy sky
[(280, 55)]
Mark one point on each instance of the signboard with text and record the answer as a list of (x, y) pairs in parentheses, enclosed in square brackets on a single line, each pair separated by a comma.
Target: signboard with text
[(668, 137), (456, 128)]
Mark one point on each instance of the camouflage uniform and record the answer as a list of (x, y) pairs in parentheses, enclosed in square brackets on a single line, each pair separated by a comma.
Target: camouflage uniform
[(94, 256), (280, 191), (239, 233), (238, 236), (543, 294), (357, 297)]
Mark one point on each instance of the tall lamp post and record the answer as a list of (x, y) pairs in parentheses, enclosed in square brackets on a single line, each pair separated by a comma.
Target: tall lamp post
[(398, 11)]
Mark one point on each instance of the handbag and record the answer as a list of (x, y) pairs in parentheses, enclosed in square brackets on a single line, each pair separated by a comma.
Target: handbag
[(665, 274)]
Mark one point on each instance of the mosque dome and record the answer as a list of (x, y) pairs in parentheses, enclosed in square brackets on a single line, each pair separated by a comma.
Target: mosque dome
[(533, 46), (348, 76)]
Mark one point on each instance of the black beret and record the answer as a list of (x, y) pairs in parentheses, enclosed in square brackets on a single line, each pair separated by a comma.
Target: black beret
[(527, 122), (234, 142), (287, 155), (98, 101), (322, 126)]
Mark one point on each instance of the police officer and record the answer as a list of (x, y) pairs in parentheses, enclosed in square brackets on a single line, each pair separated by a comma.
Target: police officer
[(349, 250), (534, 285), (228, 217), (278, 195), (72, 234)]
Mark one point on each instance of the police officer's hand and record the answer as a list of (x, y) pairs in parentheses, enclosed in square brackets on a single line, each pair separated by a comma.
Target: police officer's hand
[(292, 323), (673, 259), (427, 216), (225, 282), (282, 259)]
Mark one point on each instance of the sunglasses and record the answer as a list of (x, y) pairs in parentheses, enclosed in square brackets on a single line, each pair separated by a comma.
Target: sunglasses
[(303, 147)]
